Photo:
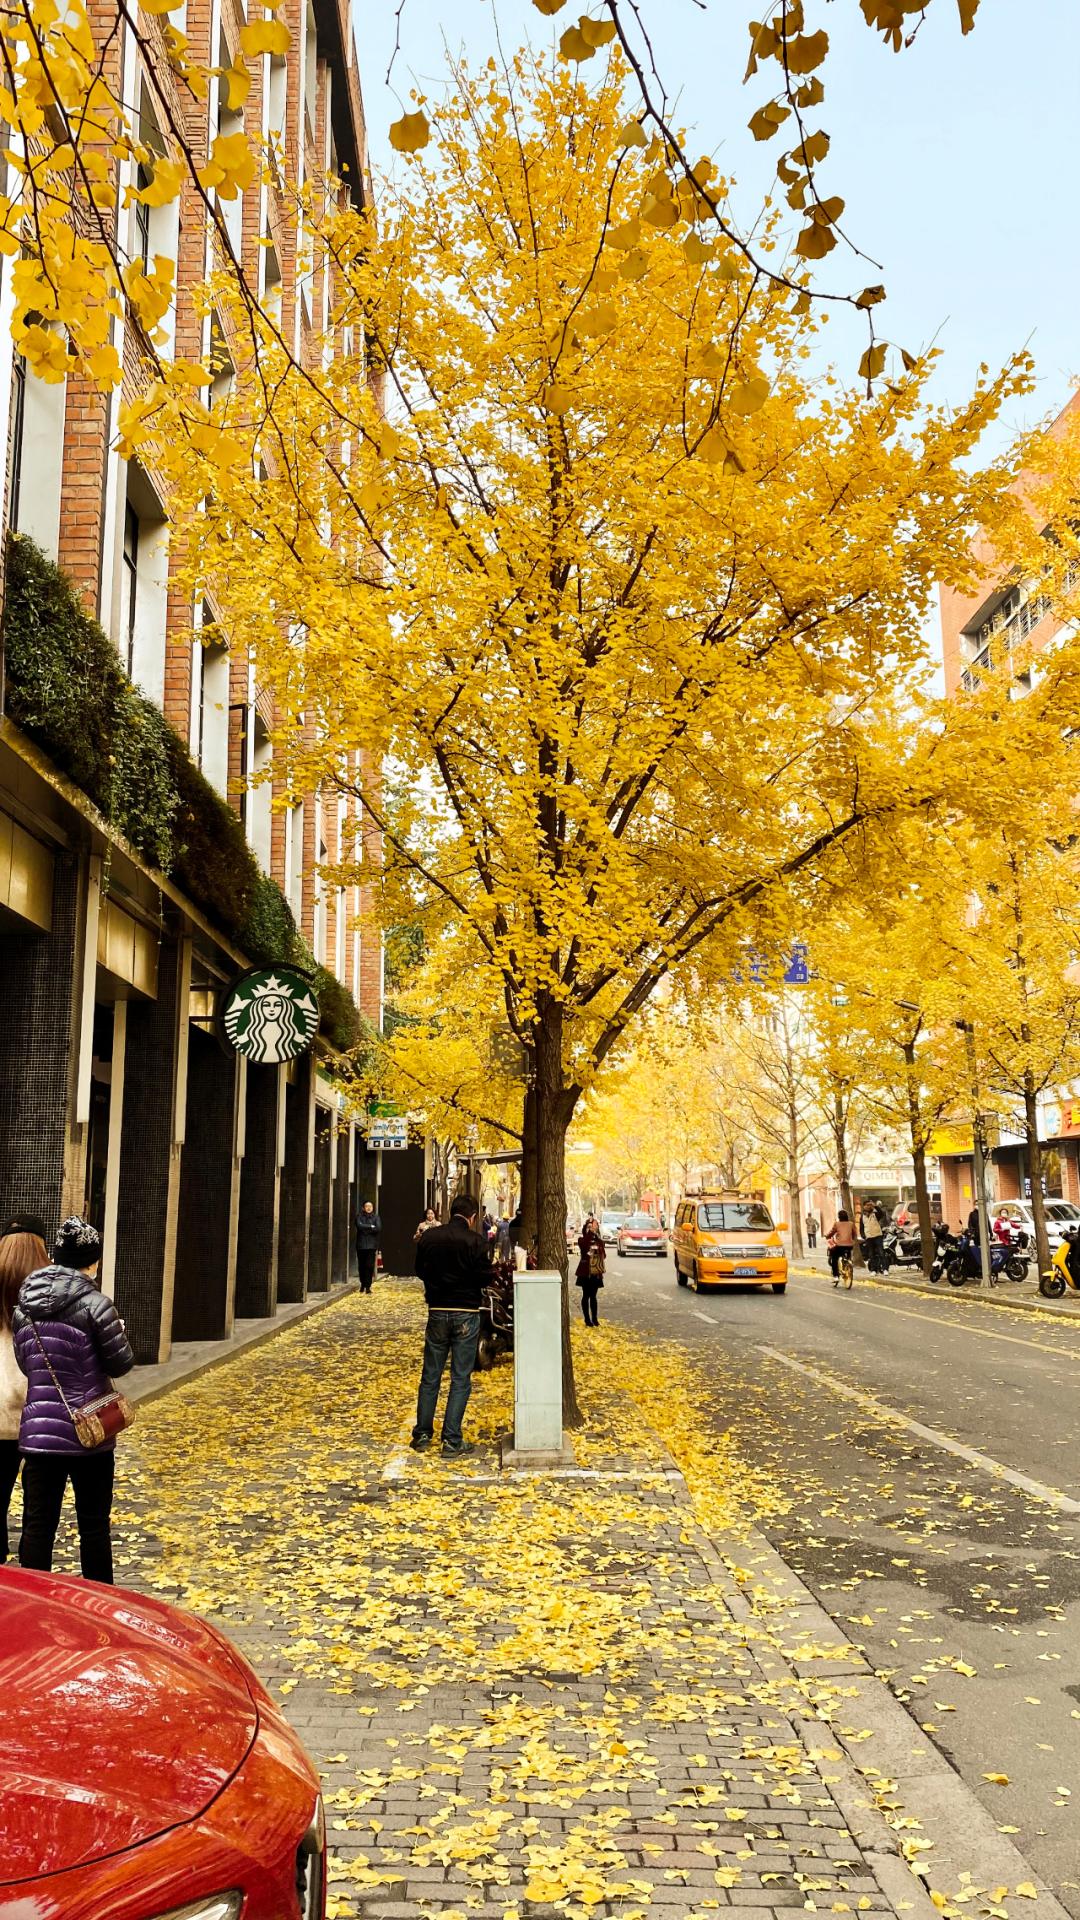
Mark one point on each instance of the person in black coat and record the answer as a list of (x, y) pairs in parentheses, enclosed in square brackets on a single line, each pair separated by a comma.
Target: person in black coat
[(589, 1275), (454, 1264), (368, 1234)]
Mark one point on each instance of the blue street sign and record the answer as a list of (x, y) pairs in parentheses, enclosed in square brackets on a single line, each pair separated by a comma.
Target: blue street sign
[(797, 971)]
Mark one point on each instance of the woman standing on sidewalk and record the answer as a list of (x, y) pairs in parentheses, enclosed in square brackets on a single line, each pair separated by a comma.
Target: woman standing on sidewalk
[(69, 1340), (368, 1235), (589, 1275), (22, 1248)]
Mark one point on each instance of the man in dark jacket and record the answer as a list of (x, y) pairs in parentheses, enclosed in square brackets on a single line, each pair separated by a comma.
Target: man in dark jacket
[(368, 1233), (453, 1264)]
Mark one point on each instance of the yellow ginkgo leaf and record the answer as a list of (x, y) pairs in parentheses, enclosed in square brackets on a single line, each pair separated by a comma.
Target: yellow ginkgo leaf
[(749, 395), (997, 1779), (410, 133), (264, 36)]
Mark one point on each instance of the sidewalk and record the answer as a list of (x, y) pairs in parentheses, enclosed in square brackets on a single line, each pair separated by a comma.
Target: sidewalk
[(601, 1694), (1024, 1294)]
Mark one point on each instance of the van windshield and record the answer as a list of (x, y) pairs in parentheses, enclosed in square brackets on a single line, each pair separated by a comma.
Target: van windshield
[(734, 1216)]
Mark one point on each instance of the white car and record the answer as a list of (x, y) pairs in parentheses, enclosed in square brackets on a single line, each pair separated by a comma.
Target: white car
[(1060, 1216), (609, 1227)]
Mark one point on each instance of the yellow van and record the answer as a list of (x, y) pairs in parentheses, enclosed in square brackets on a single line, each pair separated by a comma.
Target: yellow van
[(727, 1240)]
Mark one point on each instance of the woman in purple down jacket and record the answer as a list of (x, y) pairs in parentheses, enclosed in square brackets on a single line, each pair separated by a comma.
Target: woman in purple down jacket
[(69, 1342)]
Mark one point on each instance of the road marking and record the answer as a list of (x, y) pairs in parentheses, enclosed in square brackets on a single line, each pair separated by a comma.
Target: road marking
[(964, 1326), (707, 1317), (937, 1439)]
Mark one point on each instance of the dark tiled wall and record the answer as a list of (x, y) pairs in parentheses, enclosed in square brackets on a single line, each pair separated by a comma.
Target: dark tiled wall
[(37, 975), (319, 1232), (207, 1170), (257, 1237), (340, 1222), (149, 1163), (295, 1188)]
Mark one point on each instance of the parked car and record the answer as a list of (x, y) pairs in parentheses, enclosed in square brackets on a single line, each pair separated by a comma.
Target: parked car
[(146, 1772), (641, 1233), (609, 1227), (1060, 1215)]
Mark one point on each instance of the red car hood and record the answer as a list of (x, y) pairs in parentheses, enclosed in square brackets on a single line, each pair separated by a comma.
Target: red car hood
[(120, 1718)]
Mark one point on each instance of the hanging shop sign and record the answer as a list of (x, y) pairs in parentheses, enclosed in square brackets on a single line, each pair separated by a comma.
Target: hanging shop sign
[(270, 1014), (387, 1131)]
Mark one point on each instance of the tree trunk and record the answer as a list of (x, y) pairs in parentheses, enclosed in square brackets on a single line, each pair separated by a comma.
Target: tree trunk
[(554, 1111), (1035, 1172), (843, 1171), (794, 1184), (918, 1156), (530, 1200)]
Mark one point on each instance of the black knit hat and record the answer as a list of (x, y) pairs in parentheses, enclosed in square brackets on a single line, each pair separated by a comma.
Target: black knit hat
[(78, 1244), (25, 1223)]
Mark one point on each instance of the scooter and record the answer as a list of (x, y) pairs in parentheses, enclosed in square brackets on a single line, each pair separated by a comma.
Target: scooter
[(1059, 1278), (946, 1246), (963, 1263), (901, 1247), (496, 1317)]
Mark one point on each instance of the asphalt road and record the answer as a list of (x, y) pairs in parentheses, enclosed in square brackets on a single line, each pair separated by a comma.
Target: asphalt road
[(912, 1535)]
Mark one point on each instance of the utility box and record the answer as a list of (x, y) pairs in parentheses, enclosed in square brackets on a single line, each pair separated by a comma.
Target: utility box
[(538, 1408)]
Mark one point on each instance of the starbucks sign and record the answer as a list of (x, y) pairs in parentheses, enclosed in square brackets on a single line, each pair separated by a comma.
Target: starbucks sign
[(270, 1014)]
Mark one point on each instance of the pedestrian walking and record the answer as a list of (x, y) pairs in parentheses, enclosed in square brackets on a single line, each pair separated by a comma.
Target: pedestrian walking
[(69, 1342), (840, 1239), (811, 1231), (368, 1235), (22, 1249), (589, 1274), (430, 1219), (453, 1264)]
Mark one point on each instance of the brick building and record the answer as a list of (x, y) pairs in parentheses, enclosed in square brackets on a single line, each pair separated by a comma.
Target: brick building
[(138, 876), (984, 632)]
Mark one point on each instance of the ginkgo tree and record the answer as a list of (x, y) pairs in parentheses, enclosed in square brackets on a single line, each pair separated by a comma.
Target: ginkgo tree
[(607, 581), (555, 518)]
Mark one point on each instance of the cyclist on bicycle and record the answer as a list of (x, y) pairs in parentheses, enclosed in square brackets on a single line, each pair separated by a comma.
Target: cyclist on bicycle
[(840, 1240)]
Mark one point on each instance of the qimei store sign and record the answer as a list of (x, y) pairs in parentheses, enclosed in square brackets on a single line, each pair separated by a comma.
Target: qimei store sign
[(270, 1015)]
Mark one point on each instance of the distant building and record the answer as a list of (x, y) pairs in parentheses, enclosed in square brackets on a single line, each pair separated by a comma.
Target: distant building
[(139, 876)]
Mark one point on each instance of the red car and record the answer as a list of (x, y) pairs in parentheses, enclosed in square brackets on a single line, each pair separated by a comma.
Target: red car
[(145, 1773)]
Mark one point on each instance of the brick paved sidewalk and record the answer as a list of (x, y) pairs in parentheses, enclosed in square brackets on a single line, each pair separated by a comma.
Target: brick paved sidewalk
[(526, 1697)]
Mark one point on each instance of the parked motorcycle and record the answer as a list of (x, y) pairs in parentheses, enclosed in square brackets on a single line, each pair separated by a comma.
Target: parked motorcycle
[(946, 1247), (963, 1262), (1059, 1278), (901, 1247)]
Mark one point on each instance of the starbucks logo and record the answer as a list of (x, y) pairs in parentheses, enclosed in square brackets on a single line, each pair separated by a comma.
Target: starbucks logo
[(270, 1014)]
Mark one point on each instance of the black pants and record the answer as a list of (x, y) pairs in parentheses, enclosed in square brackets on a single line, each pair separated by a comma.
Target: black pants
[(365, 1266), (45, 1475), (811, 1238), (9, 1473), (589, 1312)]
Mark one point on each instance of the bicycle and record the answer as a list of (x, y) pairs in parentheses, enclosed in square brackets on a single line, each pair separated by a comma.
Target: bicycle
[(844, 1272)]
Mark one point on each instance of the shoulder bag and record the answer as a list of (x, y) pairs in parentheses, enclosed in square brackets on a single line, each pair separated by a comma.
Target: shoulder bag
[(99, 1420)]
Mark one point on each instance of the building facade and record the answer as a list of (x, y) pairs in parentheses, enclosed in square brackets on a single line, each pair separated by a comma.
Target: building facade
[(148, 851), (1002, 627)]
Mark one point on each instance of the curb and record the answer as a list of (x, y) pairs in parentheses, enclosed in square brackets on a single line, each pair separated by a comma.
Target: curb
[(995, 1296), (907, 1763), (142, 1392)]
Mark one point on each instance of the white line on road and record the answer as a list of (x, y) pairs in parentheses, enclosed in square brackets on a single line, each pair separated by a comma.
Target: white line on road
[(971, 1454), (707, 1317)]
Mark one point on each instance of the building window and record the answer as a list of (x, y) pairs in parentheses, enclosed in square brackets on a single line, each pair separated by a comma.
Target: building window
[(129, 588), (18, 429), (142, 220), (35, 456)]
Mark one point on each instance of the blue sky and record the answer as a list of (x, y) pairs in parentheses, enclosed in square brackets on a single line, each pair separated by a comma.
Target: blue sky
[(956, 157)]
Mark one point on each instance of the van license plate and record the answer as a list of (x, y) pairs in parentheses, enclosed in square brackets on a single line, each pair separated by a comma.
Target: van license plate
[(746, 1273)]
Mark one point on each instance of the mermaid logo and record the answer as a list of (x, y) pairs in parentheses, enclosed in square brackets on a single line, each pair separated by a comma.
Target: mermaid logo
[(270, 1014)]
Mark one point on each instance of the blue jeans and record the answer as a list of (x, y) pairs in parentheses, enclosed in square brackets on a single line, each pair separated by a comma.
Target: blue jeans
[(453, 1337)]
